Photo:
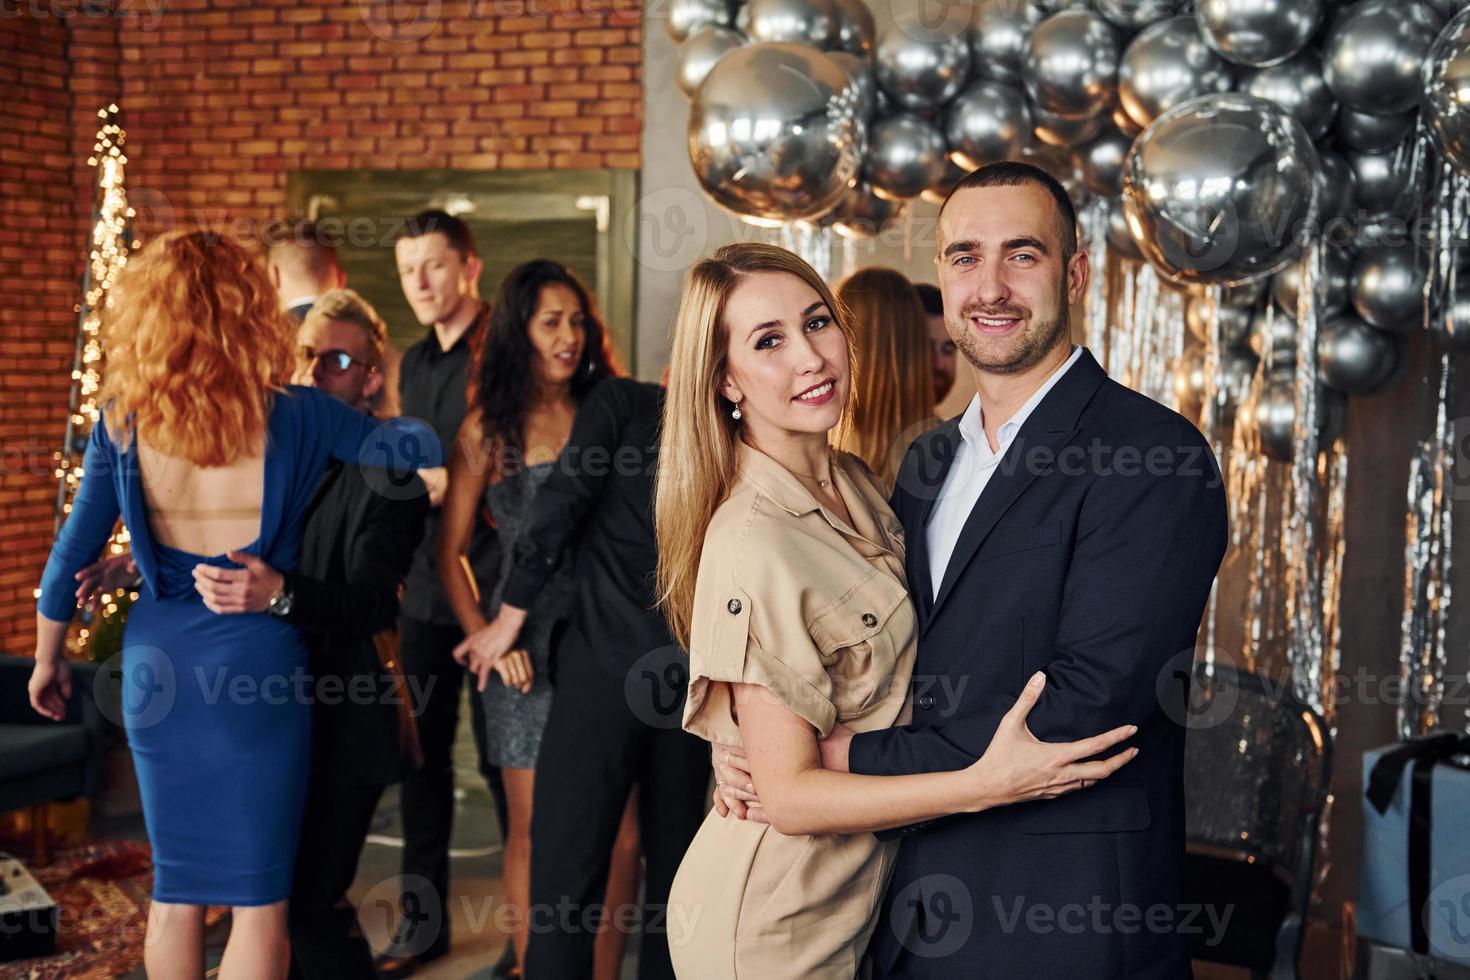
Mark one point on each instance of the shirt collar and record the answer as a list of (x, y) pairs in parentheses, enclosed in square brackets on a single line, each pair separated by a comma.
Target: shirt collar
[(432, 336), (779, 485), (972, 424)]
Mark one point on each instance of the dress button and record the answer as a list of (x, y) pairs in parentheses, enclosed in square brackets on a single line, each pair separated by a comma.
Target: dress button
[(734, 606), (926, 701), (869, 620)]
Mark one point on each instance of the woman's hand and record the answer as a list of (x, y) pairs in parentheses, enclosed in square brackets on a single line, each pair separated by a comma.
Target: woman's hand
[(734, 788), (1017, 766), (515, 671), (50, 687), (481, 650), (104, 576)]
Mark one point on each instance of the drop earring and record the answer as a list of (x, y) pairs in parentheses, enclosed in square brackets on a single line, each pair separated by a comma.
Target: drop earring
[(736, 413)]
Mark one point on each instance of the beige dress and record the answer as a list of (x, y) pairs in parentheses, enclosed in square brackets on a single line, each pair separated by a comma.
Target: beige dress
[(791, 598)]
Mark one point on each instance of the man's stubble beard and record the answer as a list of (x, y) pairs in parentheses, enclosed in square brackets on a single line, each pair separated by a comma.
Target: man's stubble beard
[(1036, 342)]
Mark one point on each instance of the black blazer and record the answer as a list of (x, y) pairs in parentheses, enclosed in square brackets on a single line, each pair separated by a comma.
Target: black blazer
[(358, 543), (1089, 555)]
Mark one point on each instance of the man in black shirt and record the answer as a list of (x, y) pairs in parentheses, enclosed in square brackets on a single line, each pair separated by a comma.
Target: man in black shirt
[(439, 270), (619, 680)]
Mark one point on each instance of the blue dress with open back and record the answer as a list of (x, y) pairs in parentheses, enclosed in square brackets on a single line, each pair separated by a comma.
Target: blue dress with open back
[(217, 708)]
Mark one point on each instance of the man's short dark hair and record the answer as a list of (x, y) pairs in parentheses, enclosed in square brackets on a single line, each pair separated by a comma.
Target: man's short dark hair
[(931, 298), (455, 231), (1013, 173)]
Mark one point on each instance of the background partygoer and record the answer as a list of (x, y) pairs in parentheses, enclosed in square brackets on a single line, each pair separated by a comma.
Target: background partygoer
[(941, 345), (205, 452), (894, 383), (545, 349)]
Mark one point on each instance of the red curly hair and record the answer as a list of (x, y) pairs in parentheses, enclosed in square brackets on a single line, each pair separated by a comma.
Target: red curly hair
[(196, 343)]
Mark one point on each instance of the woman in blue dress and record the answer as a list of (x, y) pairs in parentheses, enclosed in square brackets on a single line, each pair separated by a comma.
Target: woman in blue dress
[(204, 451)]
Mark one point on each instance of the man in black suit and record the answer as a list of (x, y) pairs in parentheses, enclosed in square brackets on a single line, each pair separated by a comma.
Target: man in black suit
[(1062, 524)]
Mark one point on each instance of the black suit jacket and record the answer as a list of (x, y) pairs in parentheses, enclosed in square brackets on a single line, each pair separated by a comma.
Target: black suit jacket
[(356, 548), (1090, 555)]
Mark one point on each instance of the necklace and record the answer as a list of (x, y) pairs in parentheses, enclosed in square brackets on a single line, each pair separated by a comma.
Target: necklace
[(824, 484)]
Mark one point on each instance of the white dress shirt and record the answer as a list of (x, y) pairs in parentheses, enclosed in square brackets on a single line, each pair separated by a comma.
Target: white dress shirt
[(970, 472)]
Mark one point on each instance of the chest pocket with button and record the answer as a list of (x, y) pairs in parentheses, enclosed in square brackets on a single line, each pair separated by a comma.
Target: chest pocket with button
[(860, 637)]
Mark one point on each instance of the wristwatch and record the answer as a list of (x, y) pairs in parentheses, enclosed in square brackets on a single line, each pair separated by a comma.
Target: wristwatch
[(280, 603)]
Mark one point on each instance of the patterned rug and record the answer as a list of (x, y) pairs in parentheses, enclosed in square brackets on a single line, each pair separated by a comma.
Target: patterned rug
[(103, 892)]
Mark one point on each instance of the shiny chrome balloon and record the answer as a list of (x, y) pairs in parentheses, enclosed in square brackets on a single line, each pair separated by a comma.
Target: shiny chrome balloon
[(1333, 287), (1101, 163), (1275, 332), (1298, 87), (1059, 131), (1382, 182), (863, 214), (1276, 415), (688, 16), (1374, 54), (1222, 189), (923, 65), (1071, 64), (811, 22), (1447, 9), (987, 122), (1446, 98), (864, 80), (1134, 15), (1165, 65), (1120, 238), (998, 39), (906, 155), (1388, 287), (937, 192), (1058, 162), (1337, 185), (1258, 33), (856, 31), (1372, 134), (1354, 358), (699, 52), (1233, 374), (1235, 322), (774, 132)]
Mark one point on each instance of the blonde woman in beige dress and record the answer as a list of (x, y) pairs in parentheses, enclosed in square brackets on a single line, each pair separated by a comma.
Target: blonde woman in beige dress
[(781, 570)]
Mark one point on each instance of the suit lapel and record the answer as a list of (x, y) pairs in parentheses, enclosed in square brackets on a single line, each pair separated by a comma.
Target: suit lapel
[(1051, 425), (919, 488)]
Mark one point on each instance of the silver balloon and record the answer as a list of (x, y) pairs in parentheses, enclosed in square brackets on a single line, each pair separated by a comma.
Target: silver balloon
[(1101, 163), (1446, 97), (1222, 189), (998, 40), (1337, 184), (1063, 169), (986, 123), (1447, 9), (863, 214), (1354, 358), (1258, 32), (1374, 54), (906, 154), (856, 30), (699, 52), (774, 132), (864, 81), (1274, 332), (1168, 64), (1372, 134), (1388, 288), (1120, 239), (688, 16), (1071, 64), (937, 192), (1382, 182), (1233, 374), (1234, 321), (1133, 15), (1059, 131), (1298, 87), (1276, 415), (796, 21), (1452, 327), (1333, 287), (1125, 123), (922, 66)]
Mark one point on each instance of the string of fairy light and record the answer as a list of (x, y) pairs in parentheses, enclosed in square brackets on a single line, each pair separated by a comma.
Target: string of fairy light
[(110, 243)]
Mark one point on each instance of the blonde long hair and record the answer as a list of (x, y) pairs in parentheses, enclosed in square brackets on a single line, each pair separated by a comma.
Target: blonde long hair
[(196, 341), (894, 365), (697, 443)]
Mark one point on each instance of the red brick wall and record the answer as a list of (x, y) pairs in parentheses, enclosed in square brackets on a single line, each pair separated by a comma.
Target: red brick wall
[(221, 101)]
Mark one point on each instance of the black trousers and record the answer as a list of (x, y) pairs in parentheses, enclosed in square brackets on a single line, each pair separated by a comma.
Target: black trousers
[(603, 736), (326, 943), (427, 654)]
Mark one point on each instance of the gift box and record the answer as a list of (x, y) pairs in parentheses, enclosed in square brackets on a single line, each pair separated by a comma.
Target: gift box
[(1414, 879)]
